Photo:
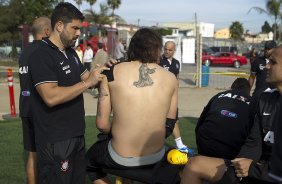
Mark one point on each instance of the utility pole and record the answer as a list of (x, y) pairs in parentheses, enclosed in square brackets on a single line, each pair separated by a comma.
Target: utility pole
[(198, 54)]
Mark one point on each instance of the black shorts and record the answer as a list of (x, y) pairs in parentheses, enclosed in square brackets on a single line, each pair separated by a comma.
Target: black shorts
[(28, 134), (231, 178), (62, 162), (99, 160)]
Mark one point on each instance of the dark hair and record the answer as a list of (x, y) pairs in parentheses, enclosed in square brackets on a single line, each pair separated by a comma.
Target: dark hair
[(241, 84), (65, 12), (145, 46), (270, 44), (99, 45)]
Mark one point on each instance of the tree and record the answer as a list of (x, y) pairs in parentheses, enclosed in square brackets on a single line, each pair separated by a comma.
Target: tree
[(91, 3), (113, 4), (99, 18), (266, 28), (236, 30), (272, 9), (15, 13)]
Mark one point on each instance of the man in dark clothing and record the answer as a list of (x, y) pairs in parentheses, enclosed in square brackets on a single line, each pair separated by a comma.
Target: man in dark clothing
[(41, 27), (224, 123), (58, 109), (171, 64), (258, 70), (254, 160), (276, 159)]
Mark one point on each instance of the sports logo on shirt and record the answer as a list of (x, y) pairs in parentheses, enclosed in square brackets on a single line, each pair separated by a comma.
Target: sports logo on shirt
[(23, 69), (64, 165), (266, 114), (177, 66), (228, 113), (25, 93), (261, 67)]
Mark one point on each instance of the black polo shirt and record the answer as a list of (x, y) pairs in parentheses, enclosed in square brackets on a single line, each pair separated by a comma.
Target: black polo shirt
[(258, 69), (25, 80), (224, 125), (173, 67), (49, 65)]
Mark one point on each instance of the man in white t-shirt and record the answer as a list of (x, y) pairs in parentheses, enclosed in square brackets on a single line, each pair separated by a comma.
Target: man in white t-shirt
[(88, 56)]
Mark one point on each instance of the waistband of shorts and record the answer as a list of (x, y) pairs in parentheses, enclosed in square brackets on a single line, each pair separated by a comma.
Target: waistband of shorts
[(135, 161)]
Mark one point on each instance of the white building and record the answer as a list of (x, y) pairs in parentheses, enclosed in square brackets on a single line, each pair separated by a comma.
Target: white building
[(205, 29)]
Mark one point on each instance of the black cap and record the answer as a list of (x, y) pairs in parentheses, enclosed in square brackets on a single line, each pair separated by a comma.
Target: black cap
[(269, 44)]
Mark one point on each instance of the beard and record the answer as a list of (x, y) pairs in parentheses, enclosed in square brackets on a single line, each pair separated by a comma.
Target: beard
[(66, 41)]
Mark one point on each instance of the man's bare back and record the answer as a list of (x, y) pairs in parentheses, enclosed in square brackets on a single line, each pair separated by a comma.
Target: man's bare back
[(142, 97)]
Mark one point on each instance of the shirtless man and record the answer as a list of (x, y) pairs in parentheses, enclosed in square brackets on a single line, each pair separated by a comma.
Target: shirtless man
[(142, 96)]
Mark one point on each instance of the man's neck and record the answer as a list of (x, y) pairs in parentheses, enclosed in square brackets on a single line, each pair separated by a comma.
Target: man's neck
[(279, 88), (55, 39)]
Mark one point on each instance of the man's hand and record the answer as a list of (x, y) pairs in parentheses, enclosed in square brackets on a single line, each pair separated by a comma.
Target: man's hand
[(95, 76), (110, 62), (185, 149), (242, 166)]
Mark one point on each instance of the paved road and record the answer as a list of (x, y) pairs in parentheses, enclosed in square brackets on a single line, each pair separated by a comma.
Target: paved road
[(191, 99)]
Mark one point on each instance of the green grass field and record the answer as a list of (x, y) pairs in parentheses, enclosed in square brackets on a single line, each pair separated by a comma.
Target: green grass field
[(12, 155)]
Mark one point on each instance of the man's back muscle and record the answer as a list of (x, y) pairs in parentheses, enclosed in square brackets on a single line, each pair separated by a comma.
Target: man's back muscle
[(141, 96)]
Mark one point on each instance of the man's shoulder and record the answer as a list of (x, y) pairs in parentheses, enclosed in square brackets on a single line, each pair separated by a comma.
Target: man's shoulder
[(259, 60), (268, 94), (175, 60)]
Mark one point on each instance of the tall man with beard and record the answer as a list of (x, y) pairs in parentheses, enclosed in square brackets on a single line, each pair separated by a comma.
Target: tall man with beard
[(58, 107)]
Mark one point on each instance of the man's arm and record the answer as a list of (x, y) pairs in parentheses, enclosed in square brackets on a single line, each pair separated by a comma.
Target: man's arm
[(53, 95), (173, 104), (104, 107), (250, 152)]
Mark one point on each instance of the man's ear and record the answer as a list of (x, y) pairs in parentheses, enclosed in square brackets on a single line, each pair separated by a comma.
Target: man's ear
[(59, 26), (47, 32)]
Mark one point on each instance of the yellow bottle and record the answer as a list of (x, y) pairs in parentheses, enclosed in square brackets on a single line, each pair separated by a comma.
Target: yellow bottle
[(177, 157)]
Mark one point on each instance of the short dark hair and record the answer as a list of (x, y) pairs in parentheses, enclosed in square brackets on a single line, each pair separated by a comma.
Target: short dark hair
[(145, 46), (65, 12), (241, 84), (99, 45), (270, 44)]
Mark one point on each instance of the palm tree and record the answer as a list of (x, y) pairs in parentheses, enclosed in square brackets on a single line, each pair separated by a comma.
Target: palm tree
[(99, 18), (114, 4), (91, 2), (79, 3), (236, 30), (272, 9)]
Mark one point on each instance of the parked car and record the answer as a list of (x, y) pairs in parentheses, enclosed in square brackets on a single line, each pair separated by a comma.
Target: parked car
[(225, 49), (224, 58)]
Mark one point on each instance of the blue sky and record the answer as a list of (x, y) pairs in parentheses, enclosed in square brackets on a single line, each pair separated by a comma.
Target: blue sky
[(219, 12)]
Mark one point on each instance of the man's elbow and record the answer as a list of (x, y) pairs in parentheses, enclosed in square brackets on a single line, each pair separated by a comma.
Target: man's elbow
[(50, 103), (102, 126)]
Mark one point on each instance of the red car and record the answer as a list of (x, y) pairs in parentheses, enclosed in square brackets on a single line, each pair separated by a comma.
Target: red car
[(224, 58)]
